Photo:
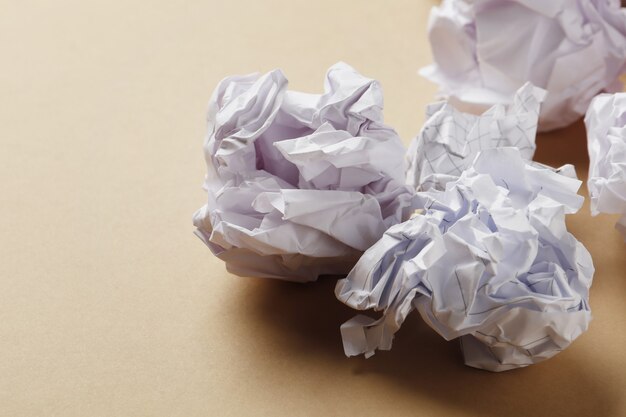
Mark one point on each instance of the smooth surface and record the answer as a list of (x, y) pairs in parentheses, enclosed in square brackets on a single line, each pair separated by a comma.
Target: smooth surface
[(109, 305)]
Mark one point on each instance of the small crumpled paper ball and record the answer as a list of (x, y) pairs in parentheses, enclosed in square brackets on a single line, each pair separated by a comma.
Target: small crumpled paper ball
[(450, 139), (489, 261), (299, 185), (606, 140), (484, 50)]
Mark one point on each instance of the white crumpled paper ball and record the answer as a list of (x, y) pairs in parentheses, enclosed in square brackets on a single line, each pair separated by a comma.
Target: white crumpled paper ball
[(299, 185), (484, 50), (606, 140), (489, 261)]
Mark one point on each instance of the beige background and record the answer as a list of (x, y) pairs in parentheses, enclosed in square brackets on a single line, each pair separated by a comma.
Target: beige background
[(110, 306)]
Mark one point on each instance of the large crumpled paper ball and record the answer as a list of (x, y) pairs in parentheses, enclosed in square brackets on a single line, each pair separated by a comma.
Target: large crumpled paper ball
[(606, 140), (484, 50), (299, 185), (489, 261)]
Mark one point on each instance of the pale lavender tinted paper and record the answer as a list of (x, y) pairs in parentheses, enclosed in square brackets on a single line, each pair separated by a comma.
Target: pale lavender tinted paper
[(299, 185), (450, 139), (489, 261), (484, 50), (606, 141)]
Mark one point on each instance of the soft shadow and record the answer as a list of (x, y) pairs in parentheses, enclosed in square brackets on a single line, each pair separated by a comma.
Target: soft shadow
[(564, 146), (307, 318)]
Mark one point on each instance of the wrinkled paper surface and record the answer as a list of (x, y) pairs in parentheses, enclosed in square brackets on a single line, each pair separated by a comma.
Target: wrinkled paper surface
[(489, 261), (451, 139), (574, 49), (606, 141), (299, 185)]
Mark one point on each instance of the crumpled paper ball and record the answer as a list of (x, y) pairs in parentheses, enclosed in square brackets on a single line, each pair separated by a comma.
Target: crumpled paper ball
[(484, 50), (606, 141), (299, 185), (450, 139), (489, 261)]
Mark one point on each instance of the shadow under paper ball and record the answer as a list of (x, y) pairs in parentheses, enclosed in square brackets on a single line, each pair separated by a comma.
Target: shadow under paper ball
[(304, 320)]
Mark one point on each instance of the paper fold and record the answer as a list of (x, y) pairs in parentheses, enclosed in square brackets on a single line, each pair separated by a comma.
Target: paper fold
[(606, 142)]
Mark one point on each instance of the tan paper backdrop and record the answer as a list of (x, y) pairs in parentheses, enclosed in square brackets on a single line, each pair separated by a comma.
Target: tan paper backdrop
[(110, 306)]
